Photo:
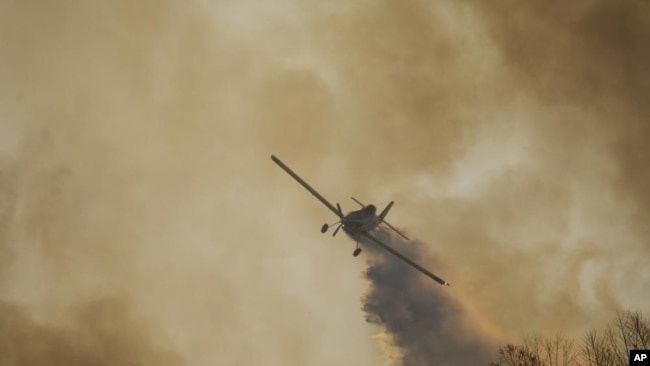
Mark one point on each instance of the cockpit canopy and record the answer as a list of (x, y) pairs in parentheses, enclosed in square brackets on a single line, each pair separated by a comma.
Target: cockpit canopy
[(370, 209)]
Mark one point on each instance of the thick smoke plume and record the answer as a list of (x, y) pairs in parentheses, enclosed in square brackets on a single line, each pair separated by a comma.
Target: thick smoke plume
[(422, 321), (101, 333), (134, 171)]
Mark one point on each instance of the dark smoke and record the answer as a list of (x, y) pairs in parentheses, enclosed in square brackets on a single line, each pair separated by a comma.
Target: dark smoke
[(425, 323), (592, 56), (101, 333)]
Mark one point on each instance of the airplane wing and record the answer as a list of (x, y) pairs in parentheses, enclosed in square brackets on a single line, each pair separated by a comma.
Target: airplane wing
[(405, 259), (295, 176)]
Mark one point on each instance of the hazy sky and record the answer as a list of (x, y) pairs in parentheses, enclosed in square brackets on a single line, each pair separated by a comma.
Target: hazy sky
[(143, 222)]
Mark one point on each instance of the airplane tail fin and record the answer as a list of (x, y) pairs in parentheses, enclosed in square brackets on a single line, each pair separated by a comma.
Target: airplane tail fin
[(385, 211)]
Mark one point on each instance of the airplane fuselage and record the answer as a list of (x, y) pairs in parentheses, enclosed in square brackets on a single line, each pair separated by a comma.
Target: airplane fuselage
[(363, 220)]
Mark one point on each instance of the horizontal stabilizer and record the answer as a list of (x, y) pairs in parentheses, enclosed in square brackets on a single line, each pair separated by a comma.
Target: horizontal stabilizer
[(357, 201), (395, 230), (382, 216)]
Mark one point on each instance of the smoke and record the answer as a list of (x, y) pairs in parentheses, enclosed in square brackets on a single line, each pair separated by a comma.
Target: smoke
[(102, 332), (421, 320), (134, 171)]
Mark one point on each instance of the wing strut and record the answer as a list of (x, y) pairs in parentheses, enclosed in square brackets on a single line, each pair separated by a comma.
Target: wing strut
[(405, 259), (295, 176)]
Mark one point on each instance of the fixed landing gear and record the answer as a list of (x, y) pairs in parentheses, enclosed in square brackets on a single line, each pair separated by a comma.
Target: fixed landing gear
[(324, 228), (357, 251)]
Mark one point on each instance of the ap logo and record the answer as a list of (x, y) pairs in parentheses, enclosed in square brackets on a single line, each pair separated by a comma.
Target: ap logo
[(639, 357)]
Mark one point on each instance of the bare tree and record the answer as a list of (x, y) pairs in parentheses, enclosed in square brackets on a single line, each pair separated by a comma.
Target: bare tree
[(537, 351), (607, 348), (633, 331), (597, 350), (517, 355), (611, 348), (559, 351)]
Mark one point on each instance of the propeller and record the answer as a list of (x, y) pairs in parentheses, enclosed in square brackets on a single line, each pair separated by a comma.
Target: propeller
[(338, 207), (337, 229), (325, 226)]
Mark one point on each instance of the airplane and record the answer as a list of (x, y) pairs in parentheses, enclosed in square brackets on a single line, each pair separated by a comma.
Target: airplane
[(359, 223)]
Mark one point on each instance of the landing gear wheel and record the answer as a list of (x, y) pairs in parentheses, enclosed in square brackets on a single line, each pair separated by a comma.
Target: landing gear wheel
[(356, 252), (324, 228)]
